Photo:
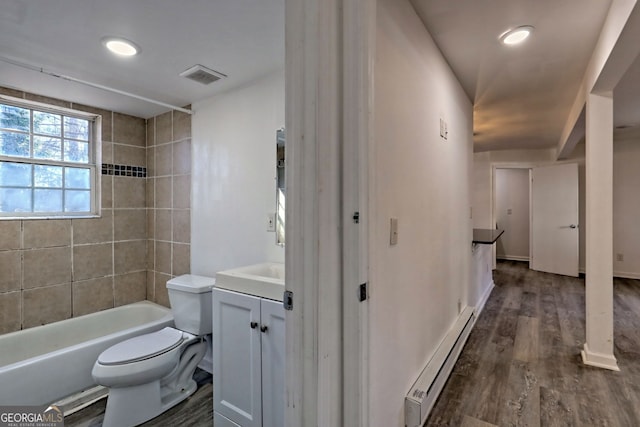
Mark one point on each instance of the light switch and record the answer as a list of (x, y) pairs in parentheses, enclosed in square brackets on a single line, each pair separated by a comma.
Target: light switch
[(271, 222), (393, 235), (444, 132)]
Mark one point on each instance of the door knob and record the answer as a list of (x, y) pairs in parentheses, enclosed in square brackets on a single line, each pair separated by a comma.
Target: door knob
[(254, 325), (264, 328), (573, 226)]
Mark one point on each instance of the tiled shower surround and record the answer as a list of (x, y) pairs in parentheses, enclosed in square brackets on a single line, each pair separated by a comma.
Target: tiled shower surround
[(55, 269), (168, 201)]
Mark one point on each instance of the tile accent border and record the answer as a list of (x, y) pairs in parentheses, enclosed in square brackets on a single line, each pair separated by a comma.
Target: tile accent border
[(124, 170)]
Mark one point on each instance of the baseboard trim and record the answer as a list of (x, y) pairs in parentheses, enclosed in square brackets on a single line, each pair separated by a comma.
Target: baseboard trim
[(626, 275), (484, 299), (512, 258), (619, 274), (429, 384), (599, 360)]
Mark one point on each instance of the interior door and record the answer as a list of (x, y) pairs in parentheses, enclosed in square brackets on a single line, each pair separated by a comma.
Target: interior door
[(554, 219)]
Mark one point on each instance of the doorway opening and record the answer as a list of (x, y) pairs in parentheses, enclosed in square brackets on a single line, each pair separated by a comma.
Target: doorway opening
[(542, 199), (512, 213)]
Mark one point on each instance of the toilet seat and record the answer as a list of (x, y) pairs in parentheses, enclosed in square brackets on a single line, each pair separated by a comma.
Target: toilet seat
[(141, 347), (140, 359)]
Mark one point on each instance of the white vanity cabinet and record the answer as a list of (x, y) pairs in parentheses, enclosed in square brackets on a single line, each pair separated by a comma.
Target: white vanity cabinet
[(248, 360)]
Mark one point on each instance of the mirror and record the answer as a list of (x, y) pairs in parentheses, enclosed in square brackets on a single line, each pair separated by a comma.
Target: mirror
[(280, 189)]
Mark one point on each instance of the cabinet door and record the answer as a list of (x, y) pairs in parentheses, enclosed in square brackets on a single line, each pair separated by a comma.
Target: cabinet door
[(273, 351), (237, 357)]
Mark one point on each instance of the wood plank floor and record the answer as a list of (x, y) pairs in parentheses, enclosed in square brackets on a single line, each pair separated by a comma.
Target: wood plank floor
[(195, 411), (521, 365)]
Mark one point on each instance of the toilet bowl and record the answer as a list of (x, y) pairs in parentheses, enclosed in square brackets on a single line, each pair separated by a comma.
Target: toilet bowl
[(151, 373), (140, 359)]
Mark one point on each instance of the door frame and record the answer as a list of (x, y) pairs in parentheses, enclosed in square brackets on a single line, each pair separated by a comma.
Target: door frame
[(509, 165), (330, 47), (359, 32), (494, 201), (523, 165)]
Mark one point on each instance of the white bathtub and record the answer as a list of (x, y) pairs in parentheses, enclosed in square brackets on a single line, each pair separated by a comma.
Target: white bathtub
[(41, 365)]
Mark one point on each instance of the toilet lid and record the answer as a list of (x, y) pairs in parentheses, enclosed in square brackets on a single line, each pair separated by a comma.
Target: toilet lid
[(141, 347)]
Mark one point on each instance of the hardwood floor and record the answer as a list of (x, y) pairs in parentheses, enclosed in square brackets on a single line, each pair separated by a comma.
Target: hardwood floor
[(521, 365), (195, 411)]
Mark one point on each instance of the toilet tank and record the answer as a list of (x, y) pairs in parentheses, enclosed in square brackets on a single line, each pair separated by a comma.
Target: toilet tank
[(190, 299)]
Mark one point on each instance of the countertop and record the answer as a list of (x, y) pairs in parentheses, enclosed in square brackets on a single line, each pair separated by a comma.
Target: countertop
[(486, 236)]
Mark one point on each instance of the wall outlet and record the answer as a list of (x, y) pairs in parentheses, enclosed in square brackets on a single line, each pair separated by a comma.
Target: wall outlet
[(620, 257), (509, 211), (271, 222)]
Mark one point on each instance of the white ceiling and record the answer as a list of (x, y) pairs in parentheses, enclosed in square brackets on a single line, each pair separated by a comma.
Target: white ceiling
[(522, 95), (243, 39), (626, 99)]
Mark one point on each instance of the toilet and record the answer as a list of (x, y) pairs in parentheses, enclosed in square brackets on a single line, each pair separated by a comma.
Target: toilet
[(148, 374)]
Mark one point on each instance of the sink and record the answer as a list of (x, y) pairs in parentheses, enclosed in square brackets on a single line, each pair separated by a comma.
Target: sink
[(265, 280), (270, 270)]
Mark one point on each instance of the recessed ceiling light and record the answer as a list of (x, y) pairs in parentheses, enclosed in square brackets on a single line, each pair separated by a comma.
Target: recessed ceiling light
[(120, 46), (516, 35)]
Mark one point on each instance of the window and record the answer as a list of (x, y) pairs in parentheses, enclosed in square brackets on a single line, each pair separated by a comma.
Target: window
[(48, 159)]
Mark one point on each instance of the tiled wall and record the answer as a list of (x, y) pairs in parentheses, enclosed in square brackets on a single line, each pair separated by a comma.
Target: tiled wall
[(55, 269), (168, 201)]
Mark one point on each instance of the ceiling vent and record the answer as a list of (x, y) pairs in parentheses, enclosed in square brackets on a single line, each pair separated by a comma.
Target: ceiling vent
[(202, 74)]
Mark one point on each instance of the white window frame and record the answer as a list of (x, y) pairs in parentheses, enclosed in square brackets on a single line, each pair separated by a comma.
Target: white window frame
[(94, 164)]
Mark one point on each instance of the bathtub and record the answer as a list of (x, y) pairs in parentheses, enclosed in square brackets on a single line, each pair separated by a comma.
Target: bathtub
[(41, 365)]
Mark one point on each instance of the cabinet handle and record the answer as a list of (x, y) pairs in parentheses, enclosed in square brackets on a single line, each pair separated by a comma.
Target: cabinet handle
[(254, 325), (264, 328)]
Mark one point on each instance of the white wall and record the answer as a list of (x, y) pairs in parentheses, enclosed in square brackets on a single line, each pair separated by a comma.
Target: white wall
[(481, 283), (626, 197), (483, 180), (233, 182), (423, 181), (482, 187), (512, 213), (626, 202), (626, 207)]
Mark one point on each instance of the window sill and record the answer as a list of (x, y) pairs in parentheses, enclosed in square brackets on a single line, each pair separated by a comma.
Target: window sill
[(49, 217)]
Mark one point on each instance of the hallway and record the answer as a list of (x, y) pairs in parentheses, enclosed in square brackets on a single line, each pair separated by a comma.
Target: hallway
[(521, 365)]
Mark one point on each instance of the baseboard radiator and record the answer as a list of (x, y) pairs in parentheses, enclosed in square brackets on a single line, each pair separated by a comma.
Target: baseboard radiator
[(425, 390)]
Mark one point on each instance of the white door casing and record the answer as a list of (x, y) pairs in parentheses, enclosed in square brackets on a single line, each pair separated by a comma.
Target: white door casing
[(329, 57), (554, 219)]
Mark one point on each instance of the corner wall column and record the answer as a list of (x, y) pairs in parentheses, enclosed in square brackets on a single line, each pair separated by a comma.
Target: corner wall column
[(598, 348)]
